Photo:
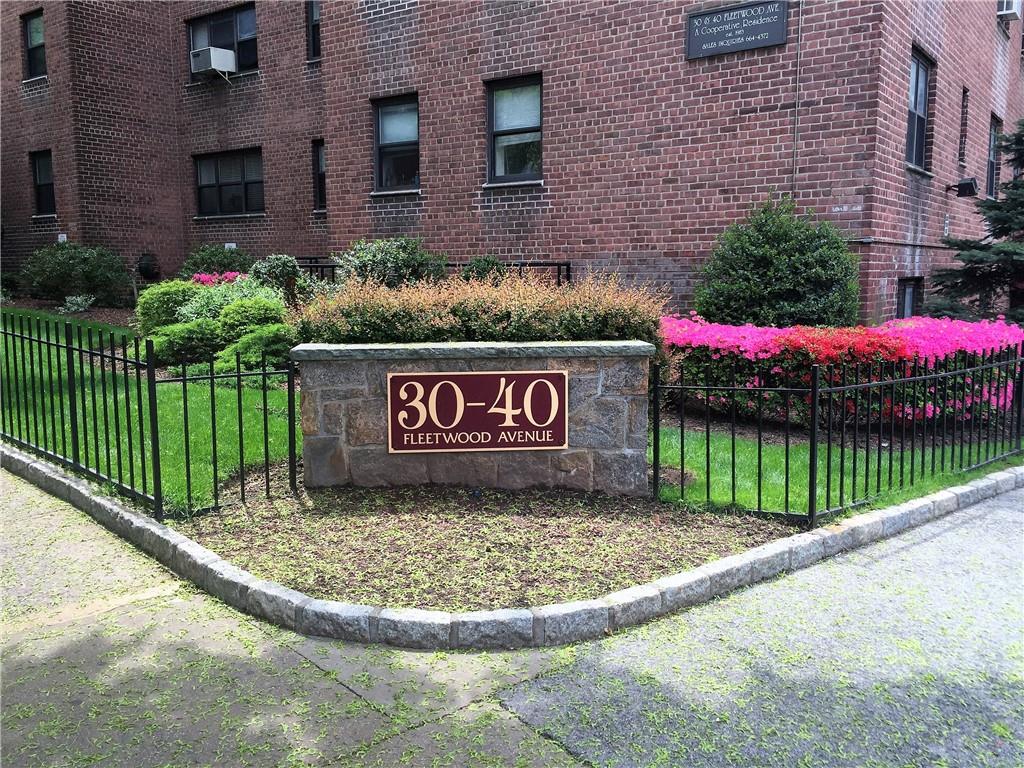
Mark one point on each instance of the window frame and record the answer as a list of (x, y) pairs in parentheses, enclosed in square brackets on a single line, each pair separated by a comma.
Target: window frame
[(916, 284), (918, 112), (961, 152), (313, 51), (37, 186), (218, 16), (378, 147), (319, 177), (494, 86), (992, 157), (218, 184), (26, 20)]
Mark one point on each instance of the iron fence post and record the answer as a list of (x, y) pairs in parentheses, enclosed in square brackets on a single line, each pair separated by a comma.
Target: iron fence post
[(292, 459), (656, 415), (69, 343), (812, 460), (154, 431)]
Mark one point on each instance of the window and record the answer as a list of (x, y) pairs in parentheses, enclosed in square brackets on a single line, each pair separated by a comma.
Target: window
[(230, 183), (398, 144), (313, 29), (917, 112), (961, 153), (42, 178), (908, 297), (514, 118), (234, 30), (319, 176), (35, 45), (995, 127)]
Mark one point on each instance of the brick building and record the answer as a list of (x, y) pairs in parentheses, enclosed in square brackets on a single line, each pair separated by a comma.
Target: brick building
[(588, 131)]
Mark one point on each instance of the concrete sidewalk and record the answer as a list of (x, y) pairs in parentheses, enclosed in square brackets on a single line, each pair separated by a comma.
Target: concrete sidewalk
[(906, 652)]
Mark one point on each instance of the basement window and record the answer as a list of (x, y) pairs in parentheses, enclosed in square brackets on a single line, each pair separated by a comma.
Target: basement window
[(319, 176), (230, 183), (909, 297), (234, 30)]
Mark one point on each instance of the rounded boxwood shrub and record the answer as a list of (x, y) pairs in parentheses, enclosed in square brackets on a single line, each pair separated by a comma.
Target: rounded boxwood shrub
[(273, 340), (62, 269), (283, 273), (245, 315), (483, 268), (193, 342), (391, 262), (777, 268), (158, 304), (213, 258)]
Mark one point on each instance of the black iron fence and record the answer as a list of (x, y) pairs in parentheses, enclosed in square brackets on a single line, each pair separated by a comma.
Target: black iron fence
[(184, 440), (807, 445), (325, 268)]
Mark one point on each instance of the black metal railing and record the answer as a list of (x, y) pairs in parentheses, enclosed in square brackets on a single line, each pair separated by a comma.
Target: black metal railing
[(95, 402), (325, 268), (808, 445)]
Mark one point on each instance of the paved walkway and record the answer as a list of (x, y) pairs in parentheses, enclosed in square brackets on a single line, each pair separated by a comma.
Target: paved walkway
[(909, 652)]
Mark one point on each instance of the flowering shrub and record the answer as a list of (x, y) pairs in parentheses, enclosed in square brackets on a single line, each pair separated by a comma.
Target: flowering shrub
[(751, 357), (215, 278)]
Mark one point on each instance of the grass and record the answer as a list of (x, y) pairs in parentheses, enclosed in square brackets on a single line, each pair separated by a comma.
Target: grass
[(716, 486), (120, 449), (460, 549)]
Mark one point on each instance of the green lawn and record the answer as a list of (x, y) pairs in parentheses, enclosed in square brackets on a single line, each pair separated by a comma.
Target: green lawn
[(773, 470), (112, 441)]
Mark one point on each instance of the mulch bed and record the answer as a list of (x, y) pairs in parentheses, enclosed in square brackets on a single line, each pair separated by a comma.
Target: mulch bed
[(465, 549), (119, 316)]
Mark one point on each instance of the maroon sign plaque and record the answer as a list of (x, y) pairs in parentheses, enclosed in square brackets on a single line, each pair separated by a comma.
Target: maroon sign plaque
[(478, 411)]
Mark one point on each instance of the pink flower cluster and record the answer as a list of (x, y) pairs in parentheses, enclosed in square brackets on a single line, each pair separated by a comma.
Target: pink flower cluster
[(208, 278), (925, 337)]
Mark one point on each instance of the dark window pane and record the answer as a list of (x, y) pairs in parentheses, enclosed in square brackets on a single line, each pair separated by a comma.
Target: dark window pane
[(45, 202), (399, 167), (314, 41), (208, 201), (247, 55), (232, 198), (254, 196), (321, 191), (43, 168), (246, 23), (230, 168), (37, 61), (919, 140), (517, 154), (253, 166), (222, 33)]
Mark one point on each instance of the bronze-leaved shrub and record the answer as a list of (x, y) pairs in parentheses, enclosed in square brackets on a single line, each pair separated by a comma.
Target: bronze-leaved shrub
[(507, 308)]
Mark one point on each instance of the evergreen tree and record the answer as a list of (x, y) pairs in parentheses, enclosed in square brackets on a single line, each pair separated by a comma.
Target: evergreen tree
[(989, 278)]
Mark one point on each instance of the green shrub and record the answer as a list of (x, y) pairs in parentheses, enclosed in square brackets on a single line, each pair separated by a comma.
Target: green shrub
[(159, 303), (391, 262), (510, 308), (213, 258), (74, 304), (243, 316), (193, 342), (483, 268), (62, 269), (211, 300), (776, 268), (273, 340)]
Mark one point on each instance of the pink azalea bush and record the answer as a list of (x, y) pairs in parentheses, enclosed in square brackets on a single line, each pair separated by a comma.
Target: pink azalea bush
[(719, 355), (215, 278)]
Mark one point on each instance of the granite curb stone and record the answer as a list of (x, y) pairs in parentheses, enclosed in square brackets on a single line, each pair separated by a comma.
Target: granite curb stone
[(505, 628)]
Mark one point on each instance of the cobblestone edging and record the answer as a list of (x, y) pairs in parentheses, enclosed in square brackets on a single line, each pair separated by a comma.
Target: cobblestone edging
[(506, 628)]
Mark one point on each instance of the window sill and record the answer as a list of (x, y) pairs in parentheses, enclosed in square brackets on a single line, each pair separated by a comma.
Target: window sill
[(512, 184), (226, 216), (919, 170), (395, 192), (44, 216), (320, 211), (37, 80), (313, 62)]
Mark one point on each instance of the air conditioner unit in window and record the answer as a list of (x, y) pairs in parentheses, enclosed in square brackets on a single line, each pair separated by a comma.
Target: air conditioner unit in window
[(1008, 10), (213, 60)]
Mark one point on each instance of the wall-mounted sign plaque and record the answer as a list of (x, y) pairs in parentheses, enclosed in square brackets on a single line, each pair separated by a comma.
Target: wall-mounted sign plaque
[(736, 28), (485, 411)]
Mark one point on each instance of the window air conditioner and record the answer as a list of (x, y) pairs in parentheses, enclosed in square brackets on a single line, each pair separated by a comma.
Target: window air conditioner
[(208, 60), (1008, 10)]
